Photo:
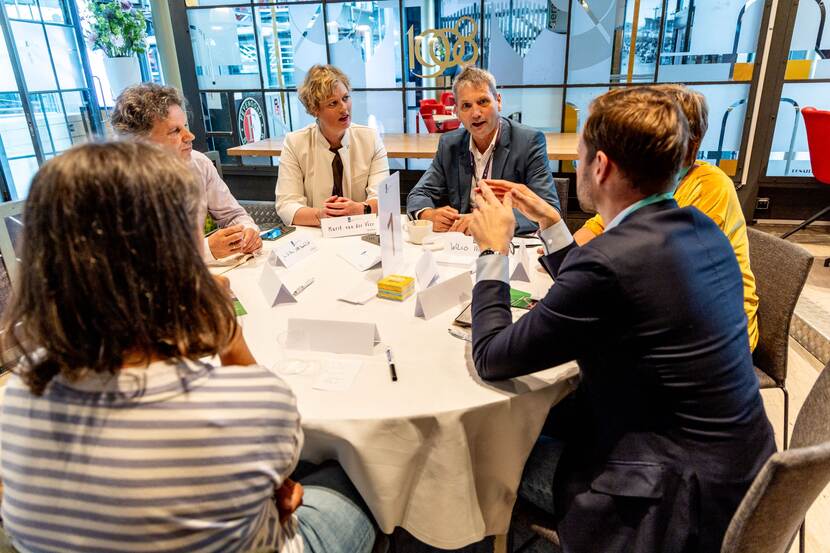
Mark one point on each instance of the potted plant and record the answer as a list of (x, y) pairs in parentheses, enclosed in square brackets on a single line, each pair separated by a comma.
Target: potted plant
[(118, 29)]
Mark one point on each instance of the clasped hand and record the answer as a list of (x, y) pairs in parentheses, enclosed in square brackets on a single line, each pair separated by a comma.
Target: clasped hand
[(338, 206), (234, 239)]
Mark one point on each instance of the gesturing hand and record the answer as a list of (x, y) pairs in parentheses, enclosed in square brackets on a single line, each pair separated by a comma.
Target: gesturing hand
[(493, 221), (442, 218), (526, 201)]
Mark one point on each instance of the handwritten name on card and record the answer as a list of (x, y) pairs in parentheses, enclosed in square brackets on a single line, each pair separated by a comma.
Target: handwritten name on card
[(351, 225), (460, 244), (293, 251)]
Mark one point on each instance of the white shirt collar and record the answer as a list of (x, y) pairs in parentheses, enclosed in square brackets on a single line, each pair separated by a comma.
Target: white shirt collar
[(324, 143), (479, 155)]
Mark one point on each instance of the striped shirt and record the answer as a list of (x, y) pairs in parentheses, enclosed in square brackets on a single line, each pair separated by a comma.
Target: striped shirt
[(174, 457)]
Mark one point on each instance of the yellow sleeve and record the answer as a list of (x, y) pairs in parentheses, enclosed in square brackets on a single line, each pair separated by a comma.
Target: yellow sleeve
[(712, 195), (595, 225), (713, 192)]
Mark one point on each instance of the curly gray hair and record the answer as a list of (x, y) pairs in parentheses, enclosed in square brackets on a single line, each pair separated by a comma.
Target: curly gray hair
[(139, 107)]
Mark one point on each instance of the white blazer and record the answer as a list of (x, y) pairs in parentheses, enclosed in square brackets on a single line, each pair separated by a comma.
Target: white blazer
[(305, 177)]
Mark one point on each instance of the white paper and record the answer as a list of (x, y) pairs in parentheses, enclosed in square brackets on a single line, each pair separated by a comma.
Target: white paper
[(442, 296), (337, 375), (444, 258), (214, 100), (361, 256), (291, 251), (332, 336), (389, 224), (520, 263), (426, 271), (273, 288), (350, 225), (361, 293)]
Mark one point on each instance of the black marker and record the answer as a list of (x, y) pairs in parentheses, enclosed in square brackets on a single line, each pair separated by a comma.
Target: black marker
[(391, 365)]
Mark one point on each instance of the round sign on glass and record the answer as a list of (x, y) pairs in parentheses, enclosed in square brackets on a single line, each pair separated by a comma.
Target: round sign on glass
[(250, 120)]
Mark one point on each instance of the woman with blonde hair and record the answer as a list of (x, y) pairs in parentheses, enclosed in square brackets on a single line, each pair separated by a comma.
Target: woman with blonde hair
[(332, 167)]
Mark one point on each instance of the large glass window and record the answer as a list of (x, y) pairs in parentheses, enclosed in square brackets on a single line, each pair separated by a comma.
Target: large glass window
[(691, 51), (526, 41), (48, 66), (550, 57), (300, 42), (807, 78), (224, 48), (365, 42)]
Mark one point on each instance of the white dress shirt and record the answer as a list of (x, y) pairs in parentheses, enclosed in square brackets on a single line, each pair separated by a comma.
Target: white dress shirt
[(217, 199), (305, 176), (482, 161)]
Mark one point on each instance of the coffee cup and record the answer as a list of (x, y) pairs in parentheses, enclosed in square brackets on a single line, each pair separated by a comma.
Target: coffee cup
[(418, 230)]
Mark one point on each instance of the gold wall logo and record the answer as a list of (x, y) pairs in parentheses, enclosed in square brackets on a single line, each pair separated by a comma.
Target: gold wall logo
[(439, 51)]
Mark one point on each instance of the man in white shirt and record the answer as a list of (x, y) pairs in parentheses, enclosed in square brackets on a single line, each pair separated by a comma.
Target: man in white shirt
[(487, 147), (156, 113)]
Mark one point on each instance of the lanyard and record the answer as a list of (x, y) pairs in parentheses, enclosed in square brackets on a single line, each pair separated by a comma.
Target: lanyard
[(653, 199), (487, 166)]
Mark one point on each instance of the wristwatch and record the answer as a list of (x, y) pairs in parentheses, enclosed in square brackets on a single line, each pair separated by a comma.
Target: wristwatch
[(367, 209)]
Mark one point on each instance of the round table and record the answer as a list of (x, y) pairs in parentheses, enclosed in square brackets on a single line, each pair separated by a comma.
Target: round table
[(439, 452)]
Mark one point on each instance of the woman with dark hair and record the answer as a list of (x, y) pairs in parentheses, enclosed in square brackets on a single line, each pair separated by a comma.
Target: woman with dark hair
[(115, 436)]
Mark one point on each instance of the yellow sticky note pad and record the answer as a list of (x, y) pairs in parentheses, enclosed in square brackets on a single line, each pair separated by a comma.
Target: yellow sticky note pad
[(396, 287)]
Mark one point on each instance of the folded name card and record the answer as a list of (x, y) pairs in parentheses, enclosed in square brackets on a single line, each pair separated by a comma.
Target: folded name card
[(520, 265), (273, 288), (352, 337), (445, 295), (362, 257), (290, 252), (362, 293), (457, 243), (426, 272), (350, 225)]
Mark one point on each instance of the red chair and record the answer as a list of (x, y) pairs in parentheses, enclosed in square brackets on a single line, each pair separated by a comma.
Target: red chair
[(427, 111), (430, 102), (817, 123), (447, 98), (429, 123), (450, 125)]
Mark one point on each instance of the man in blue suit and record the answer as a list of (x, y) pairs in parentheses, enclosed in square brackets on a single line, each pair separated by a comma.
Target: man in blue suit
[(666, 429), (488, 146)]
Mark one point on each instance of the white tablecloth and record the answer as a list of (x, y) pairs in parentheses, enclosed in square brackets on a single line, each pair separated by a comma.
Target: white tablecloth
[(439, 452)]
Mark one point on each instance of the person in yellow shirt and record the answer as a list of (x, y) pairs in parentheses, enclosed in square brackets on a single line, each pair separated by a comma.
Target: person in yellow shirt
[(709, 189)]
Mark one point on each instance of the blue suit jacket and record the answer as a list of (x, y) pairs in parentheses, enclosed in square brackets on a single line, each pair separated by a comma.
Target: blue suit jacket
[(520, 156), (666, 429)]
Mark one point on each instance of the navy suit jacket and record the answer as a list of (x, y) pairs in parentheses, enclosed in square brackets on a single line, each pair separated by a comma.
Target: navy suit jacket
[(666, 429), (520, 156)]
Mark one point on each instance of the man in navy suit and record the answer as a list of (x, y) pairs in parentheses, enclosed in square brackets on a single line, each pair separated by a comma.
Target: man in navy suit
[(488, 146), (666, 429)]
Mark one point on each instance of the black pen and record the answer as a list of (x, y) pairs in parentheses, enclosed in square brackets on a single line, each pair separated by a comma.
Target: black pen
[(391, 365)]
